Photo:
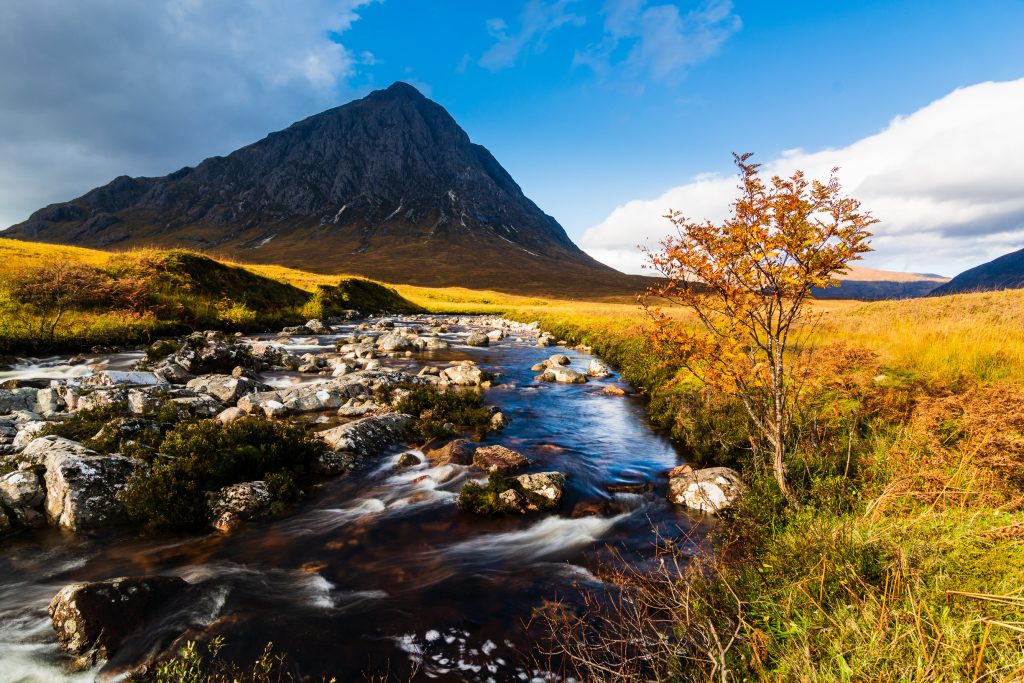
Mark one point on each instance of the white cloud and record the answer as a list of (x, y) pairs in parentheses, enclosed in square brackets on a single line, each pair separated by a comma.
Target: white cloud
[(947, 183), (538, 19), (657, 41), (95, 88)]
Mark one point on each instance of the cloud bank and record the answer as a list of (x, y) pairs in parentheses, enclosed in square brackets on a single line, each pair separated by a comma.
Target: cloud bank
[(95, 88), (947, 183)]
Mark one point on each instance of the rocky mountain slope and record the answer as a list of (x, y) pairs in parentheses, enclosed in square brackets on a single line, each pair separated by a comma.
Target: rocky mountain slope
[(1005, 272), (388, 186)]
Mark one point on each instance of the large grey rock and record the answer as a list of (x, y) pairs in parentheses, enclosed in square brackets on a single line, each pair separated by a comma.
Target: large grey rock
[(547, 487), (22, 398), (464, 375), (706, 490), (81, 486), (22, 489), (562, 375), (394, 341), (204, 355), (92, 620), (598, 369), (478, 339), (369, 435), (225, 388), (238, 502), (110, 378)]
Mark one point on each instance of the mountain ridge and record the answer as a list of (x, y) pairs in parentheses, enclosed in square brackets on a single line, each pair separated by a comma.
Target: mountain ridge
[(388, 186), (1003, 272)]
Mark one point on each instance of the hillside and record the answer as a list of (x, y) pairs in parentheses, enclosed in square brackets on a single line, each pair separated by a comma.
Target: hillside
[(872, 284), (59, 297), (1005, 272), (388, 187)]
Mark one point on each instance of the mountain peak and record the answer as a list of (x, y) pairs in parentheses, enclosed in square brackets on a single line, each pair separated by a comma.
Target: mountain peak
[(388, 186), (403, 89)]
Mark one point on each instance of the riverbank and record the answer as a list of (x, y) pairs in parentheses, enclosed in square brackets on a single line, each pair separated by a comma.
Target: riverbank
[(906, 559)]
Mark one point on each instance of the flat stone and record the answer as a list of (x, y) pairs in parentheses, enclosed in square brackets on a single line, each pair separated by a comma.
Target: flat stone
[(498, 459)]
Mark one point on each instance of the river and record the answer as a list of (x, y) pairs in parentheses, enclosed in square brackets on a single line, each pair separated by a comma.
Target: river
[(377, 572)]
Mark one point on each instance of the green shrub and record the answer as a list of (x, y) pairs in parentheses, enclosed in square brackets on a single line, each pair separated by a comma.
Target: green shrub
[(206, 456), (433, 408), (85, 424)]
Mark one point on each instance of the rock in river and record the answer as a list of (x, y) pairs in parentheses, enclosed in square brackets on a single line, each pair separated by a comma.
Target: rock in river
[(498, 459), (478, 339), (546, 488), (93, 619), (369, 435), (81, 486), (706, 490), (562, 375)]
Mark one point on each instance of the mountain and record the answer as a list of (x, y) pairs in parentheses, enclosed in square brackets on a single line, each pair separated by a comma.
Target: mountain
[(1005, 272), (869, 284), (388, 186)]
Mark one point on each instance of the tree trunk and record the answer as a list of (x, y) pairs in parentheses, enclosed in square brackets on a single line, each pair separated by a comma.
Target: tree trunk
[(779, 469)]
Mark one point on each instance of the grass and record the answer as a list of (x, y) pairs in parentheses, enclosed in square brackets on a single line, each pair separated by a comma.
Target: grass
[(48, 296), (905, 561)]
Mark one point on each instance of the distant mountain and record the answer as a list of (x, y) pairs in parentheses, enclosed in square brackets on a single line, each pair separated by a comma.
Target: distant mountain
[(869, 283), (388, 186), (1005, 272)]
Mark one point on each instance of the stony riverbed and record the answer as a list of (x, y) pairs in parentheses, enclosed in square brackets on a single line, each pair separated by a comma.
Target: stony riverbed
[(376, 567)]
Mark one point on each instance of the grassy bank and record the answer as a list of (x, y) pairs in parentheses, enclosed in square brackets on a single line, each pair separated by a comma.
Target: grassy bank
[(55, 297)]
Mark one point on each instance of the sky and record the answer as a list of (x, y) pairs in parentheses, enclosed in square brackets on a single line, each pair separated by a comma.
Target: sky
[(607, 112)]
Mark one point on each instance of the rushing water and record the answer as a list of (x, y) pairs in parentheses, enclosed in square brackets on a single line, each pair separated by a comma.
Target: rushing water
[(378, 571)]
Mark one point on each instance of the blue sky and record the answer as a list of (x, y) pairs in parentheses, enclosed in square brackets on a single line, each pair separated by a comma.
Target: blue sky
[(592, 106)]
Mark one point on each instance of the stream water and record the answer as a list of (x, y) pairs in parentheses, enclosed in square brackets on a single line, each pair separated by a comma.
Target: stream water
[(378, 571)]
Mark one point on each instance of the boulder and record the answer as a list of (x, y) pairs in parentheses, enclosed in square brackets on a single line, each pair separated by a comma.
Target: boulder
[(598, 369), (201, 355), (394, 341), (225, 388), (81, 486), (612, 390), (407, 460), (229, 415), (92, 620), (22, 398), (498, 459), (48, 402), (457, 452), (143, 401), (477, 339), (511, 501), (546, 340), (558, 359), (171, 372), (247, 500), (198, 406), (705, 490), (562, 375), (28, 431), (464, 375), (137, 378), (435, 344), (369, 435), (21, 489), (545, 488), (317, 327)]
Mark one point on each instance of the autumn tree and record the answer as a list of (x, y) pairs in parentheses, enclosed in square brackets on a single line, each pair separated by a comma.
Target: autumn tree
[(748, 281)]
